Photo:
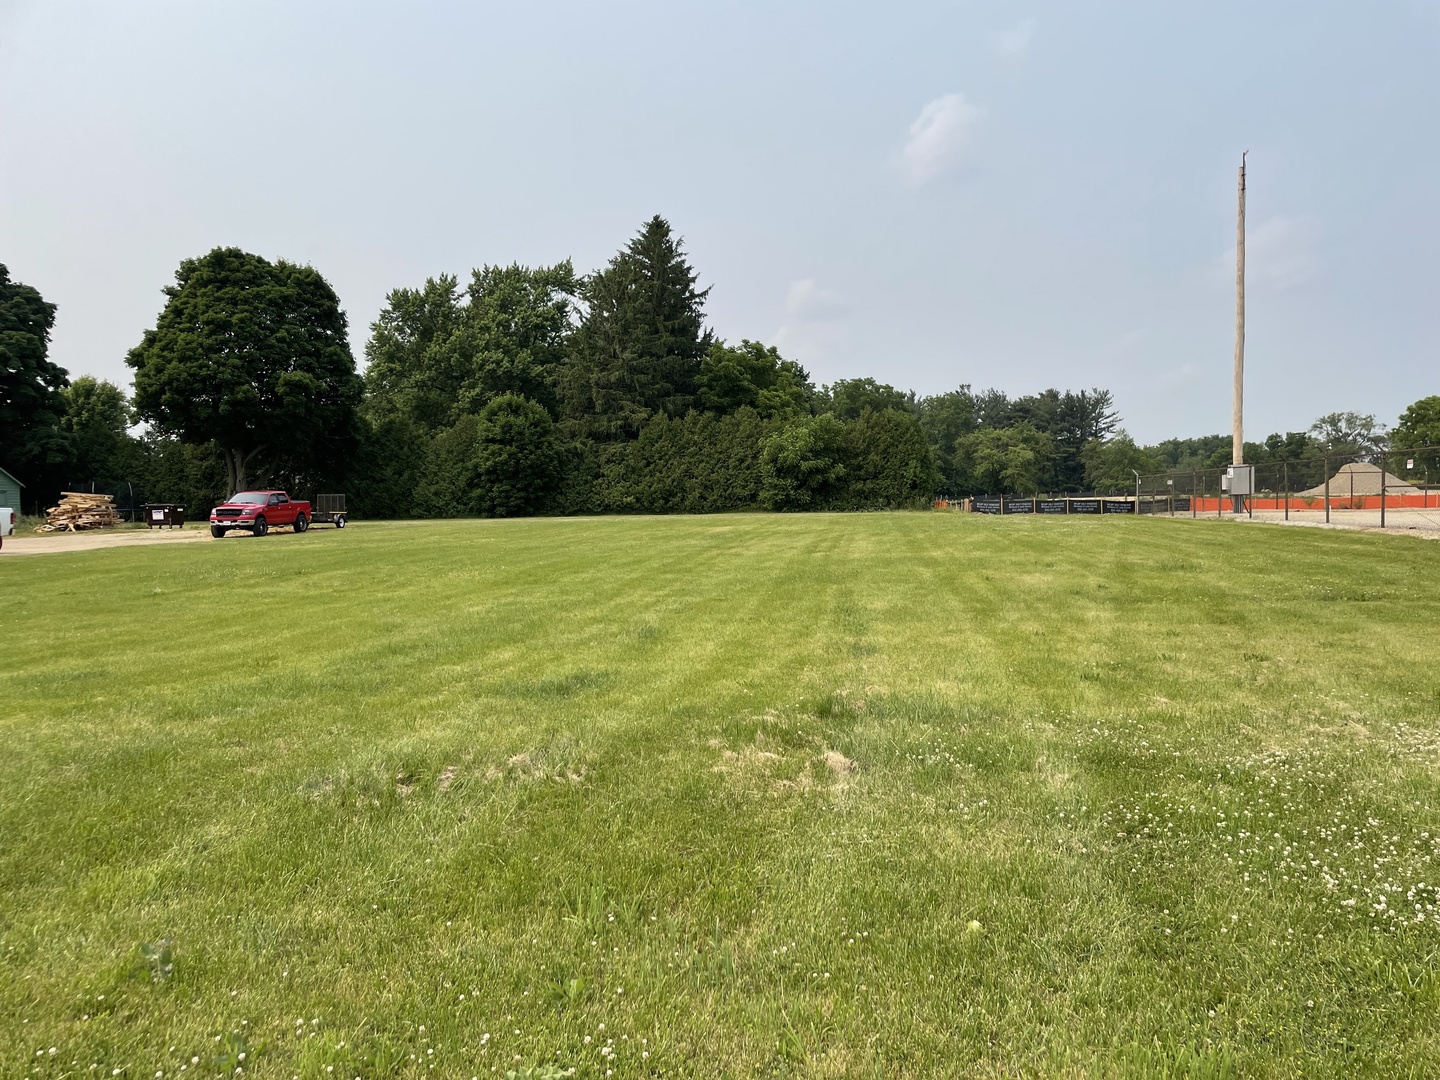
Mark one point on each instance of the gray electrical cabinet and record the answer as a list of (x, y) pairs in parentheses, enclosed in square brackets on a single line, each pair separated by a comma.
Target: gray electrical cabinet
[(1238, 480)]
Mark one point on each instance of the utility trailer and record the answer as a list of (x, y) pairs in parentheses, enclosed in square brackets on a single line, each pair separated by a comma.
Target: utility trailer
[(329, 510)]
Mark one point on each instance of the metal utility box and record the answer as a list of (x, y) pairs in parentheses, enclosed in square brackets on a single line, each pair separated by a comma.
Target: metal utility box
[(162, 515), (1238, 480)]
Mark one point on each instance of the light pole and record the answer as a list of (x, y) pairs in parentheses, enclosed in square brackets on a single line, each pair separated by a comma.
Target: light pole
[(1237, 421)]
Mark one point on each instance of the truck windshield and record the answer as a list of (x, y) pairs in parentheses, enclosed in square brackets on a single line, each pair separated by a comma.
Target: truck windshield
[(257, 498)]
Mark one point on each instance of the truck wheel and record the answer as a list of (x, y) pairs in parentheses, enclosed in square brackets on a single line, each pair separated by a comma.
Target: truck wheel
[(260, 528), (340, 522), (218, 531), (300, 523)]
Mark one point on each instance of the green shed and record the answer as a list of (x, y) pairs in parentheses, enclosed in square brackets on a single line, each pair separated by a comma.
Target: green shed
[(10, 491)]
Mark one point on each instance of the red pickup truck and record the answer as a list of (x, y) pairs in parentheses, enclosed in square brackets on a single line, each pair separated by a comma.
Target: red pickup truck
[(259, 511)]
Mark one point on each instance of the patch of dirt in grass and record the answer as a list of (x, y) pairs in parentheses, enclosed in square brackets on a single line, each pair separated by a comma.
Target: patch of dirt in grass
[(447, 777), (530, 766), (757, 769), (754, 769), (746, 759)]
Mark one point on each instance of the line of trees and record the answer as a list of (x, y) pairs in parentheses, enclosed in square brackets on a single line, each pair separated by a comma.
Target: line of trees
[(531, 390)]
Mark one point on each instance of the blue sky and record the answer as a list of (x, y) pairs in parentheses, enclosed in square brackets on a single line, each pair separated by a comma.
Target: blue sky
[(1003, 194)]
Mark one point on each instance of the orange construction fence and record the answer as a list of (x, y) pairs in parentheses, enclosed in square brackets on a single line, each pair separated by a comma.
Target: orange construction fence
[(1429, 500)]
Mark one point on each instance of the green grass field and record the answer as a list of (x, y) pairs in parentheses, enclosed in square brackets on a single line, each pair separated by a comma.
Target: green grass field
[(869, 795)]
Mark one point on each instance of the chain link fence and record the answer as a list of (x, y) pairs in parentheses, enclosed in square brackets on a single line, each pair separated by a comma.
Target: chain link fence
[(1390, 489)]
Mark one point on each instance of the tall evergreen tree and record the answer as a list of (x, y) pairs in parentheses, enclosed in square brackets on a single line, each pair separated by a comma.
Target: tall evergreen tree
[(639, 349)]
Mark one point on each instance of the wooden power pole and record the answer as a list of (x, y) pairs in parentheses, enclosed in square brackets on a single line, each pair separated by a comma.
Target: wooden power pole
[(1237, 416)]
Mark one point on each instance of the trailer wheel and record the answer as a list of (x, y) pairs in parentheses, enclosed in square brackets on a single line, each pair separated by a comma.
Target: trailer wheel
[(340, 522), (218, 531), (301, 524), (260, 528)]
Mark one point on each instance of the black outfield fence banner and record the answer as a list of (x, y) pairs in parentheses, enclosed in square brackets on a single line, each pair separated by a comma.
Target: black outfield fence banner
[(1066, 505), (1164, 504), (1146, 504)]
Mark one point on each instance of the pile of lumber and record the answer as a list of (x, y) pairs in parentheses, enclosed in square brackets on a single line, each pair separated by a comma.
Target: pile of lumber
[(79, 510)]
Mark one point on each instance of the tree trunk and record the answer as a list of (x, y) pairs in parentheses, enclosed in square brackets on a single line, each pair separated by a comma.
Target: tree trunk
[(235, 462)]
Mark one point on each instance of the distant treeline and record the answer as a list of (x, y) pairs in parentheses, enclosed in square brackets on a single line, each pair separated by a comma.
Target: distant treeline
[(532, 391)]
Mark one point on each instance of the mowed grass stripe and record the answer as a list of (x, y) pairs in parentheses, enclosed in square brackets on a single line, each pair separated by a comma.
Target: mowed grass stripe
[(659, 774)]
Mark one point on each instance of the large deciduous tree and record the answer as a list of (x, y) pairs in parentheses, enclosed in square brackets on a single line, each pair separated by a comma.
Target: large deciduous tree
[(31, 404), (1009, 460), (639, 349), (436, 354), (851, 397), (946, 419), (1350, 434), (1419, 425), (1111, 464), (1419, 430), (253, 356), (97, 420), (754, 376)]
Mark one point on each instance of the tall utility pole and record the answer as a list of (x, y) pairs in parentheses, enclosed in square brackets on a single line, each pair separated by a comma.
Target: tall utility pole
[(1237, 416), (1239, 477)]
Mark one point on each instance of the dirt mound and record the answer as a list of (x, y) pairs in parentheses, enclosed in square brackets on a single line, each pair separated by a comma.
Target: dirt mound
[(1362, 478)]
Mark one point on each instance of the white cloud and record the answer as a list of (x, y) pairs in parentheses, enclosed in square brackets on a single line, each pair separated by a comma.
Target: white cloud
[(1016, 40), (1279, 252), (936, 138)]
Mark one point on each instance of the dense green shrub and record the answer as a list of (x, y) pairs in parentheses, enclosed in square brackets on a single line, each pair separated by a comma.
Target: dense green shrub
[(445, 487), (890, 463), (699, 464), (383, 479), (803, 464), (516, 457)]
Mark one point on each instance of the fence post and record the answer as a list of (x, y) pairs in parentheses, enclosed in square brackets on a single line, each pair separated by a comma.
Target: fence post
[(1327, 490), (1382, 489), (1285, 473), (1194, 509)]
